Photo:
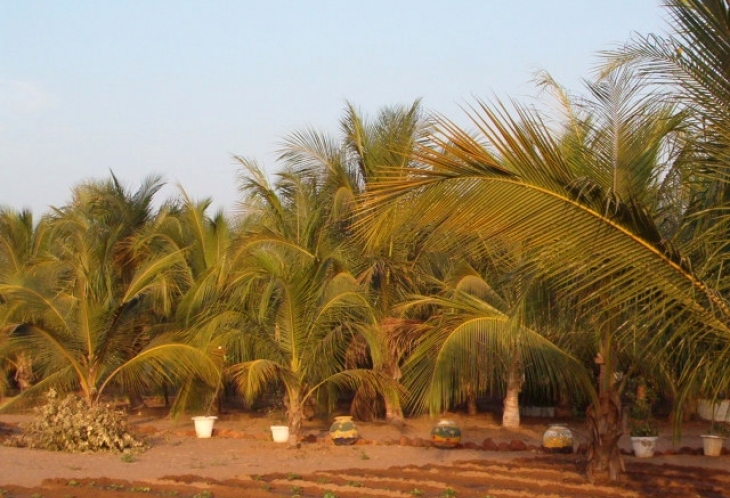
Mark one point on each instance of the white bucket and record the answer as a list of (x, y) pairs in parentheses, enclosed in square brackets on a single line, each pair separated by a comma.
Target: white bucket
[(712, 445), (204, 425), (280, 433)]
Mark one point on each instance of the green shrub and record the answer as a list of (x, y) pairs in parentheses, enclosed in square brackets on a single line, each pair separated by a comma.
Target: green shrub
[(644, 428), (71, 424)]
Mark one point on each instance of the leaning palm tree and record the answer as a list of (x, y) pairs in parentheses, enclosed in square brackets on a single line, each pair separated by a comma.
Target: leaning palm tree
[(90, 308), (558, 197)]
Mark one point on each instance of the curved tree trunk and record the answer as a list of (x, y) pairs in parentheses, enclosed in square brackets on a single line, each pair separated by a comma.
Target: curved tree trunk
[(511, 414)]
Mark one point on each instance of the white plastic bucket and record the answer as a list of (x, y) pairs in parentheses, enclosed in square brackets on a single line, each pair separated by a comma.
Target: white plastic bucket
[(204, 425), (280, 433)]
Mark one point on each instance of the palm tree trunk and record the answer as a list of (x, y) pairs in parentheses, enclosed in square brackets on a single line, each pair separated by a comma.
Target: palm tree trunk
[(604, 422), (295, 416), (393, 412), (471, 400), (511, 414), (393, 409)]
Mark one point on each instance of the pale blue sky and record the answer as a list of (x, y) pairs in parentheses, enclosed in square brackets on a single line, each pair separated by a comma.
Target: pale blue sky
[(179, 87)]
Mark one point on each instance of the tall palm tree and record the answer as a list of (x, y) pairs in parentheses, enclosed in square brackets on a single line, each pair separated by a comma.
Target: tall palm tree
[(89, 309)]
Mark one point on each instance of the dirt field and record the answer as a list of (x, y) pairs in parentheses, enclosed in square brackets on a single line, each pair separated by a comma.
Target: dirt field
[(241, 461)]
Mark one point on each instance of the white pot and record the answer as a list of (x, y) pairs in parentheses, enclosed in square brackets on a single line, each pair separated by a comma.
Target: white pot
[(204, 425), (711, 444), (280, 433), (644, 447)]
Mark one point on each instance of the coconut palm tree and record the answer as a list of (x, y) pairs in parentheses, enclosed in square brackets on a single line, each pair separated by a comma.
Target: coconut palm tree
[(480, 340), (294, 310), (89, 309), (567, 200), (205, 242), (392, 269), (21, 243)]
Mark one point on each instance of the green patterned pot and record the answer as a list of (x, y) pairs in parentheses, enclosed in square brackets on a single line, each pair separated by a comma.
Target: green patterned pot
[(557, 439), (343, 431), (446, 434)]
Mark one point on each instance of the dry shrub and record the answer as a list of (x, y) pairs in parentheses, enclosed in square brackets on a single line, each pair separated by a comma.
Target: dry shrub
[(72, 425)]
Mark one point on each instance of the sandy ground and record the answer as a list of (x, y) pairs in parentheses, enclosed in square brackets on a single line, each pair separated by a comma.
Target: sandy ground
[(241, 460)]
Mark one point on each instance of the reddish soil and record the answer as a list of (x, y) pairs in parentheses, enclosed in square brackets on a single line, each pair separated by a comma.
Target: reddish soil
[(241, 460)]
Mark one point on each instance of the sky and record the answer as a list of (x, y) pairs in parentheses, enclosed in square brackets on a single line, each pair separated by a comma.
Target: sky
[(178, 88)]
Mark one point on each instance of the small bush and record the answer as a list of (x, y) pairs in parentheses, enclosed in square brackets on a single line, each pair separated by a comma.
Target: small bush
[(71, 425)]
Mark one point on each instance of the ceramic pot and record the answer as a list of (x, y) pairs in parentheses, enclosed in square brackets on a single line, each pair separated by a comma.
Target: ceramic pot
[(343, 431), (280, 433), (204, 425), (557, 439), (446, 434), (712, 445), (644, 446)]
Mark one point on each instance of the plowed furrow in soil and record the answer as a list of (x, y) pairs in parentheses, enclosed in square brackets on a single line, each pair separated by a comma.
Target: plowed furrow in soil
[(531, 477), (569, 473), (679, 481), (545, 485), (435, 481), (382, 480), (548, 480), (480, 482), (340, 489)]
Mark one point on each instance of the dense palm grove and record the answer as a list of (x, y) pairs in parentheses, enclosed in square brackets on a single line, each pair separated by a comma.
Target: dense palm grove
[(410, 265)]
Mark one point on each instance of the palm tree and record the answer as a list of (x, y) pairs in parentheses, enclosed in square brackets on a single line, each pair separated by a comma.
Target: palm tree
[(479, 340), (395, 267), (89, 309), (566, 199), (21, 243), (294, 310), (690, 67), (205, 242)]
